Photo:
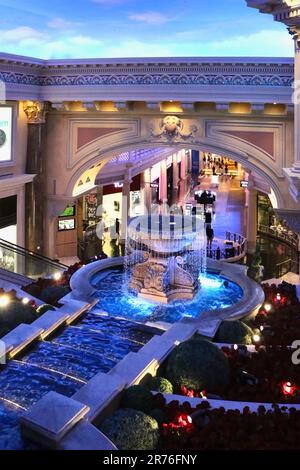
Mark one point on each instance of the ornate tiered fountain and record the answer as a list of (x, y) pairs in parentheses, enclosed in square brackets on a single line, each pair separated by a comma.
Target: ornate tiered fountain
[(167, 253)]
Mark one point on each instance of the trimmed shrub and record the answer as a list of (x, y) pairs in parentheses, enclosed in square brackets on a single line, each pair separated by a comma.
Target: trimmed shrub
[(14, 314), (138, 398), (234, 332), (52, 294), (44, 308), (33, 289), (131, 430), (199, 365), (160, 384), (159, 415)]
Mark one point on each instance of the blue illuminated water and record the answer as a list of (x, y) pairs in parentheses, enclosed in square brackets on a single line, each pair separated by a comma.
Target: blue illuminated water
[(63, 364), (115, 300)]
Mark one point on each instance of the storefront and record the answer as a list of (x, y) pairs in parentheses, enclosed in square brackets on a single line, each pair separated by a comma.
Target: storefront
[(8, 219), (78, 232)]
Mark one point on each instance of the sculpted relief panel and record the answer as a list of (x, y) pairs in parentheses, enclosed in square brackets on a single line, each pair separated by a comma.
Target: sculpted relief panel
[(92, 137), (174, 129)]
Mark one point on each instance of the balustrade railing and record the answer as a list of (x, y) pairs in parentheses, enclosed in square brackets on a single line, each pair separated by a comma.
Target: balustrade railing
[(288, 237), (235, 248), (288, 266)]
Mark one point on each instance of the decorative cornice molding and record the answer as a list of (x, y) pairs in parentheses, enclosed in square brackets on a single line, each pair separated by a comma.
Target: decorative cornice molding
[(147, 72)]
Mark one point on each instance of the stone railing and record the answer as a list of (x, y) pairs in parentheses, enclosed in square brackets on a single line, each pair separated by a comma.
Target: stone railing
[(288, 237), (235, 250)]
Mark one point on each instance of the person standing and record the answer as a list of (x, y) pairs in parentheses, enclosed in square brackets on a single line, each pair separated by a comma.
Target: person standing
[(117, 228), (210, 235)]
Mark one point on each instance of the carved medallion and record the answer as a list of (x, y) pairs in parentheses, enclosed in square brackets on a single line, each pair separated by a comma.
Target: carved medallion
[(171, 129)]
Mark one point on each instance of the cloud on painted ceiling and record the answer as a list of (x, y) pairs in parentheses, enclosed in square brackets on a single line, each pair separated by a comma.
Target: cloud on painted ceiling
[(25, 40), (150, 17), (111, 2), (61, 23)]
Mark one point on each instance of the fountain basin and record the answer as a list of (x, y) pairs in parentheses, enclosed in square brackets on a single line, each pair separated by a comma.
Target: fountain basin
[(83, 286)]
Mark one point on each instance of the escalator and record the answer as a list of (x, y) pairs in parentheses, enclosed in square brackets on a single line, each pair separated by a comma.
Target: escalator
[(22, 262)]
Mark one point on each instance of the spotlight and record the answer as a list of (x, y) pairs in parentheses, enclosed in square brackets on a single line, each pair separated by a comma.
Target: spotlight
[(25, 300), (256, 338), (268, 307), (57, 276), (261, 328), (288, 388), (235, 347), (4, 301)]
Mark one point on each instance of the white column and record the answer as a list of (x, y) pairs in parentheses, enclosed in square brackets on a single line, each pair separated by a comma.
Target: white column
[(183, 172), (125, 204), (163, 184), (201, 156), (251, 217), (297, 106), (175, 178), (146, 191)]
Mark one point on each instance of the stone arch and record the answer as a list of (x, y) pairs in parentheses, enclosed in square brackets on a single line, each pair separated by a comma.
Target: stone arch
[(251, 161)]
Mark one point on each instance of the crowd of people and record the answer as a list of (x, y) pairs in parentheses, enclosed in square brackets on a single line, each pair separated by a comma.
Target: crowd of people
[(219, 165)]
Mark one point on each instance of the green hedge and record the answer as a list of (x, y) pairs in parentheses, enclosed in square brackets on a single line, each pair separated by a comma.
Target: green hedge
[(52, 294), (131, 430), (138, 398), (234, 332), (14, 314), (199, 365), (44, 308), (160, 384)]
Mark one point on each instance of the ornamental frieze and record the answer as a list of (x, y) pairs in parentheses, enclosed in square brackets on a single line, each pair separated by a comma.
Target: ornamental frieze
[(163, 72), (130, 80)]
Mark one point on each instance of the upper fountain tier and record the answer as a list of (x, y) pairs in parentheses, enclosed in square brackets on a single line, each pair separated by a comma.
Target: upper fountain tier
[(166, 234)]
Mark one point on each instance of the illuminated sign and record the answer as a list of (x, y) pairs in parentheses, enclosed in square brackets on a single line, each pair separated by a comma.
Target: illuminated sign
[(5, 133), (244, 184), (154, 185)]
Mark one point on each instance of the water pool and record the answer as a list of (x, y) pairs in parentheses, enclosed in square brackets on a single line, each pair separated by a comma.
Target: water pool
[(63, 363), (116, 300)]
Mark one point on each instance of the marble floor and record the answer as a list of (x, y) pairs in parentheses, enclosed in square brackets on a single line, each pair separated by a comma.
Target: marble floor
[(230, 210)]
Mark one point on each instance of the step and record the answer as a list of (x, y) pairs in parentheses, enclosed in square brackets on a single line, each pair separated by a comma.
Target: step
[(85, 436), (51, 321), (51, 418), (99, 392), (20, 338)]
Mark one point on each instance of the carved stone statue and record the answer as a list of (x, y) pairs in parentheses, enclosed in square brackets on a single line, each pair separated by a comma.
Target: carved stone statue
[(163, 281), (171, 128)]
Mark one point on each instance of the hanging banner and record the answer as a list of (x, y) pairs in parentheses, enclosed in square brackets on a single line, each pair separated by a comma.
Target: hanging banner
[(5, 134)]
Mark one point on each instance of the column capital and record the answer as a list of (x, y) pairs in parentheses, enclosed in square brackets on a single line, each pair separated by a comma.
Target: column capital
[(35, 111), (283, 11)]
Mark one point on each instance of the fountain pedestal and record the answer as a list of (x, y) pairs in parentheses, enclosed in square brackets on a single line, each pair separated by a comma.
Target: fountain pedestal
[(163, 281)]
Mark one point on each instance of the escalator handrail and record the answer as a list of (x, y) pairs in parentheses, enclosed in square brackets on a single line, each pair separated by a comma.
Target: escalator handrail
[(24, 251)]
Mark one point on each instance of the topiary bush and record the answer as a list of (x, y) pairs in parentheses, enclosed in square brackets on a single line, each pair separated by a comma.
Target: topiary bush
[(44, 308), (234, 332), (14, 314), (199, 365), (159, 415), (33, 289), (52, 294), (160, 384), (131, 430), (138, 398), (256, 269)]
